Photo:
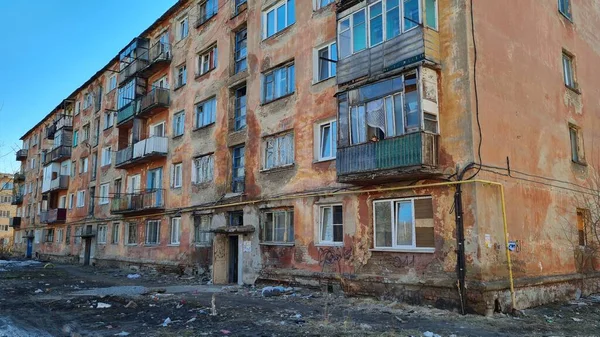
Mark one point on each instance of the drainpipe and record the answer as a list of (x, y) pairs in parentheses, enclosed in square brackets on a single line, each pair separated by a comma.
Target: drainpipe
[(461, 269)]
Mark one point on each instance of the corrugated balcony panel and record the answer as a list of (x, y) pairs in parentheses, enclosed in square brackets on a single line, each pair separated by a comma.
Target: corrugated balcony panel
[(141, 202), (22, 154), (127, 112), (403, 156), (123, 156), (156, 99), (409, 48)]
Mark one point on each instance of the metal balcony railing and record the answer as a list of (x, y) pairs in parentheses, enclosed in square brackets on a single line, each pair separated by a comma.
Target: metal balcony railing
[(19, 176), (132, 68), (159, 52), (64, 122), (138, 202), (127, 112), (412, 150), (50, 131), (58, 154), (156, 98), (52, 216)]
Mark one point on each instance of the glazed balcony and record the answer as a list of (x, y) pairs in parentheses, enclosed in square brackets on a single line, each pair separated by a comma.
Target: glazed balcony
[(416, 46), (143, 202), (58, 154), (17, 199), (410, 156), (53, 216), (15, 222), (159, 55), (126, 113), (60, 183), (143, 151), (156, 100), (22, 155)]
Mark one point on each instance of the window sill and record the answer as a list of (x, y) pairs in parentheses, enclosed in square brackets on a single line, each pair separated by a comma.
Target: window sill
[(206, 21), (240, 12), (199, 76), (579, 162), (179, 87), (315, 82), (278, 98), (177, 136), (102, 243), (173, 245), (573, 89), (151, 244), (277, 244), (565, 16), (333, 244), (131, 244), (278, 168), (202, 245), (175, 187), (102, 204), (324, 160), (278, 34), (404, 250), (203, 127)]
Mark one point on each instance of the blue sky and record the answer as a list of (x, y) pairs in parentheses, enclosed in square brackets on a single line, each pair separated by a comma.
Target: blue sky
[(50, 47)]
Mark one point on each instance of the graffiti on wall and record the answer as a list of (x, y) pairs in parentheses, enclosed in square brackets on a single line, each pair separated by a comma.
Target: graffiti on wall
[(335, 257), (404, 261)]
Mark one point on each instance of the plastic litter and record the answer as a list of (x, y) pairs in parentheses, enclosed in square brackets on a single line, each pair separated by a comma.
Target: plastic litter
[(39, 291), (167, 321), (133, 276), (275, 291), (102, 305), (122, 333), (577, 319), (225, 332)]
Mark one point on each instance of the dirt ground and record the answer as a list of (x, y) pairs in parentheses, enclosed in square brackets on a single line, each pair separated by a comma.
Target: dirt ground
[(65, 300)]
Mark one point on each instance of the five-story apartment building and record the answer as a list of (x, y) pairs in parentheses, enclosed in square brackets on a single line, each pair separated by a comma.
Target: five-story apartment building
[(364, 143)]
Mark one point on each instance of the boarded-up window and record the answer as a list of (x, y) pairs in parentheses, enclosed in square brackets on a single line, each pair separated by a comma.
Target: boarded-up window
[(404, 223)]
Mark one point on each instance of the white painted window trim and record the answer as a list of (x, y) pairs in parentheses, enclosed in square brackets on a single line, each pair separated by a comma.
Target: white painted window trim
[(104, 199), (318, 140), (317, 61), (176, 242), (80, 198), (320, 226), (274, 7)]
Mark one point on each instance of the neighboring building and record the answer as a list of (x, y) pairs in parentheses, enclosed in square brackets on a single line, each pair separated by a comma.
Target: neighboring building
[(228, 140), (7, 211)]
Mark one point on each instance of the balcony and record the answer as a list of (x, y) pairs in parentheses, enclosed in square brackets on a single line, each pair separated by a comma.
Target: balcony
[(17, 199), (50, 131), (142, 151), (15, 222), (132, 69), (58, 154), (64, 122), (416, 46), (126, 113), (60, 183), (156, 100), (410, 156), (143, 202), (22, 154), (19, 177), (159, 55), (53, 216)]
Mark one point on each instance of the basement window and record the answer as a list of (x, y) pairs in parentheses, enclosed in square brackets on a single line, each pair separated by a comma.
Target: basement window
[(404, 224)]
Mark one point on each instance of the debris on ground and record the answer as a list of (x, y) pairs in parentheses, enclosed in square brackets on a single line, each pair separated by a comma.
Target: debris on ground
[(131, 304), (38, 291), (122, 333), (577, 319), (190, 320), (133, 276), (167, 321), (276, 291), (430, 334), (225, 332), (102, 305)]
